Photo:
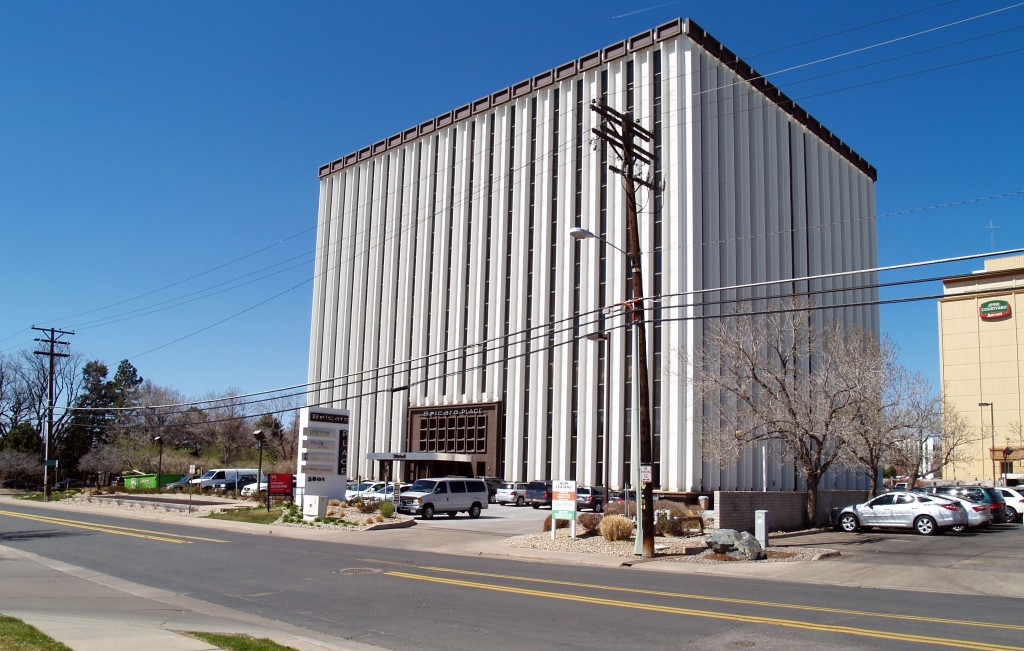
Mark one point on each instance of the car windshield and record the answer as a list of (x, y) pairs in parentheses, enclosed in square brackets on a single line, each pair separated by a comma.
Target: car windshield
[(423, 486), (507, 486), (363, 486), (209, 474)]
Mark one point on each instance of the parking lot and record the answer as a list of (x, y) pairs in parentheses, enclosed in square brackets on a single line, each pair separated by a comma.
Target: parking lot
[(999, 547), (495, 520)]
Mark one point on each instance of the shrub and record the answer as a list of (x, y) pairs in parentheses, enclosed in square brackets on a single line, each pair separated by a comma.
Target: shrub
[(368, 506), (561, 524), (590, 522), (380, 518), (616, 527), (387, 509), (368, 520), (334, 502), (616, 508)]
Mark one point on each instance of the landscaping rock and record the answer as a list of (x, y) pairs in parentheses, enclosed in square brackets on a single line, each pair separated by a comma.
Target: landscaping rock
[(735, 544)]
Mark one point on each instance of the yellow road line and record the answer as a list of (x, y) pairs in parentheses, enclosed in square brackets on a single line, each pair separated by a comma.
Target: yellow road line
[(748, 619), (110, 528), (678, 595)]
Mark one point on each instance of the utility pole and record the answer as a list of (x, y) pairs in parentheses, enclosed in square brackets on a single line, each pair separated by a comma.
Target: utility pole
[(621, 131), (53, 342)]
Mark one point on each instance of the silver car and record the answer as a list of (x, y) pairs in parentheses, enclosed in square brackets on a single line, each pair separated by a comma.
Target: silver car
[(978, 514), (511, 493), (926, 514)]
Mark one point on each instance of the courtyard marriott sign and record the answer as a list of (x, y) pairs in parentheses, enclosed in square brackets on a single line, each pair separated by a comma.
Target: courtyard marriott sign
[(992, 310)]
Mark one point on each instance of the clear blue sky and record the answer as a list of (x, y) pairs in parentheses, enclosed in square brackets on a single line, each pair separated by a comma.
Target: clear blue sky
[(144, 143)]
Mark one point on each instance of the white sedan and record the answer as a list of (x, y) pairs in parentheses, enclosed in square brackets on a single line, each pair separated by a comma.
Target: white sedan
[(363, 489), (250, 489)]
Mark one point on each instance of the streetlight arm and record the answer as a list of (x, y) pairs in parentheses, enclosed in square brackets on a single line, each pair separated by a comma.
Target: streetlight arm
[(578, 233)]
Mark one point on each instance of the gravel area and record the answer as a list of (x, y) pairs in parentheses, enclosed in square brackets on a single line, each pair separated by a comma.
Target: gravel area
[(681, 550)]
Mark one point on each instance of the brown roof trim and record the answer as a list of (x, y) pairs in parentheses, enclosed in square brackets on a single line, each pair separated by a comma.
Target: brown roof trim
[(986, 275), (612, 52)]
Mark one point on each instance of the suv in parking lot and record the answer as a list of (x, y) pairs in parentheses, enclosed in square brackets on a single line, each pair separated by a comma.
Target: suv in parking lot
[(538, 493), (590, 497), (511, 492), (1014, 501)]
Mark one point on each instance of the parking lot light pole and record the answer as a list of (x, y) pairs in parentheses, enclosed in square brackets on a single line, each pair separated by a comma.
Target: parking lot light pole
[(260, 438), (992, 452)]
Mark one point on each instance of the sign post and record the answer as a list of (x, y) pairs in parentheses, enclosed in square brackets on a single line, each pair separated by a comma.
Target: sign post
[(563, 505)]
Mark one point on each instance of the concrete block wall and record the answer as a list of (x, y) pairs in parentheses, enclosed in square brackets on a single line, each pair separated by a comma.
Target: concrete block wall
[(786, 511)]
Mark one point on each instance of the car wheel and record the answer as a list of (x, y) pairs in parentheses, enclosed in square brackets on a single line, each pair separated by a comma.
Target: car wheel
[(1011, 514), (428, 512), (474, 511), (959, 528), (598, 508), (452, 514), (520, 501), (925, 526), (848, 523), (536, 506)]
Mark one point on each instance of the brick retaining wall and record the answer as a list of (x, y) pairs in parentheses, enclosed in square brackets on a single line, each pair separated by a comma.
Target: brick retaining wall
[(786, 511)]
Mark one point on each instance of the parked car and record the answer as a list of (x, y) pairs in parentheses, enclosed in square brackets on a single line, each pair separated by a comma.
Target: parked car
[(511, 493), (388, 492), (492, 485), (538, 493), (362, 489), (67, 484), (20, 484), (250, 489), (182, 484), (618, 496), (1014, 498), (978, 515), (985, 494), (926, 514), (444, 495), (233, 485), (590, 497)]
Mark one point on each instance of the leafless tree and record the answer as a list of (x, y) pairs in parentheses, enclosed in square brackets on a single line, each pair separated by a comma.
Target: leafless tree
[(776, 376), (16, 464), (67, 381), (885, 409), (937, 435)]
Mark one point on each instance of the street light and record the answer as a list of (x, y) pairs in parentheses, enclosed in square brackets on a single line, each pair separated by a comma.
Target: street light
[(992, 417), (642, 446), (160, 463), (260, 438), (602, 338)]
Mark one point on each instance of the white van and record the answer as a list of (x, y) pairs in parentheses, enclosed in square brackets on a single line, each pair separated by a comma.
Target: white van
[(222, 475), (448, 495)]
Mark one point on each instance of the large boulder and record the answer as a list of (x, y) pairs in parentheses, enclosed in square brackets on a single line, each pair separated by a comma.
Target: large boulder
[(737, 544)]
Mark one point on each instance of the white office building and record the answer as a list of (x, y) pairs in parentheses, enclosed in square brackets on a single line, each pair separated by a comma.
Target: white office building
[(451, 306)]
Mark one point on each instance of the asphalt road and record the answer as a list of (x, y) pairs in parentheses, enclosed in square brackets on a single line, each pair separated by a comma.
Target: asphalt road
[(405, 599)]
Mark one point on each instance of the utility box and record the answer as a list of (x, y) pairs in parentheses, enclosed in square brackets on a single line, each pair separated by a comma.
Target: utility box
[(761, 528), (314, 506)]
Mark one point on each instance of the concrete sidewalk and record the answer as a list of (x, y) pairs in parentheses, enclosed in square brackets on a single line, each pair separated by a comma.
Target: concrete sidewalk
[(92, 612)]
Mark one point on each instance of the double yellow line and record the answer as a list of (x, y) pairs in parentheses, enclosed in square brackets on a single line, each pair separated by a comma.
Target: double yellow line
[(749, 619), (110, 528)]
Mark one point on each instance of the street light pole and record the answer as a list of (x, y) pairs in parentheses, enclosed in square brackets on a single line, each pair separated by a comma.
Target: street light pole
[(259, 472), (992, 452), (604, 339)]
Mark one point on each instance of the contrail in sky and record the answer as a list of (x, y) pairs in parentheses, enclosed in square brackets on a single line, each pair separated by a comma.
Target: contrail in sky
[(640, 11)]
